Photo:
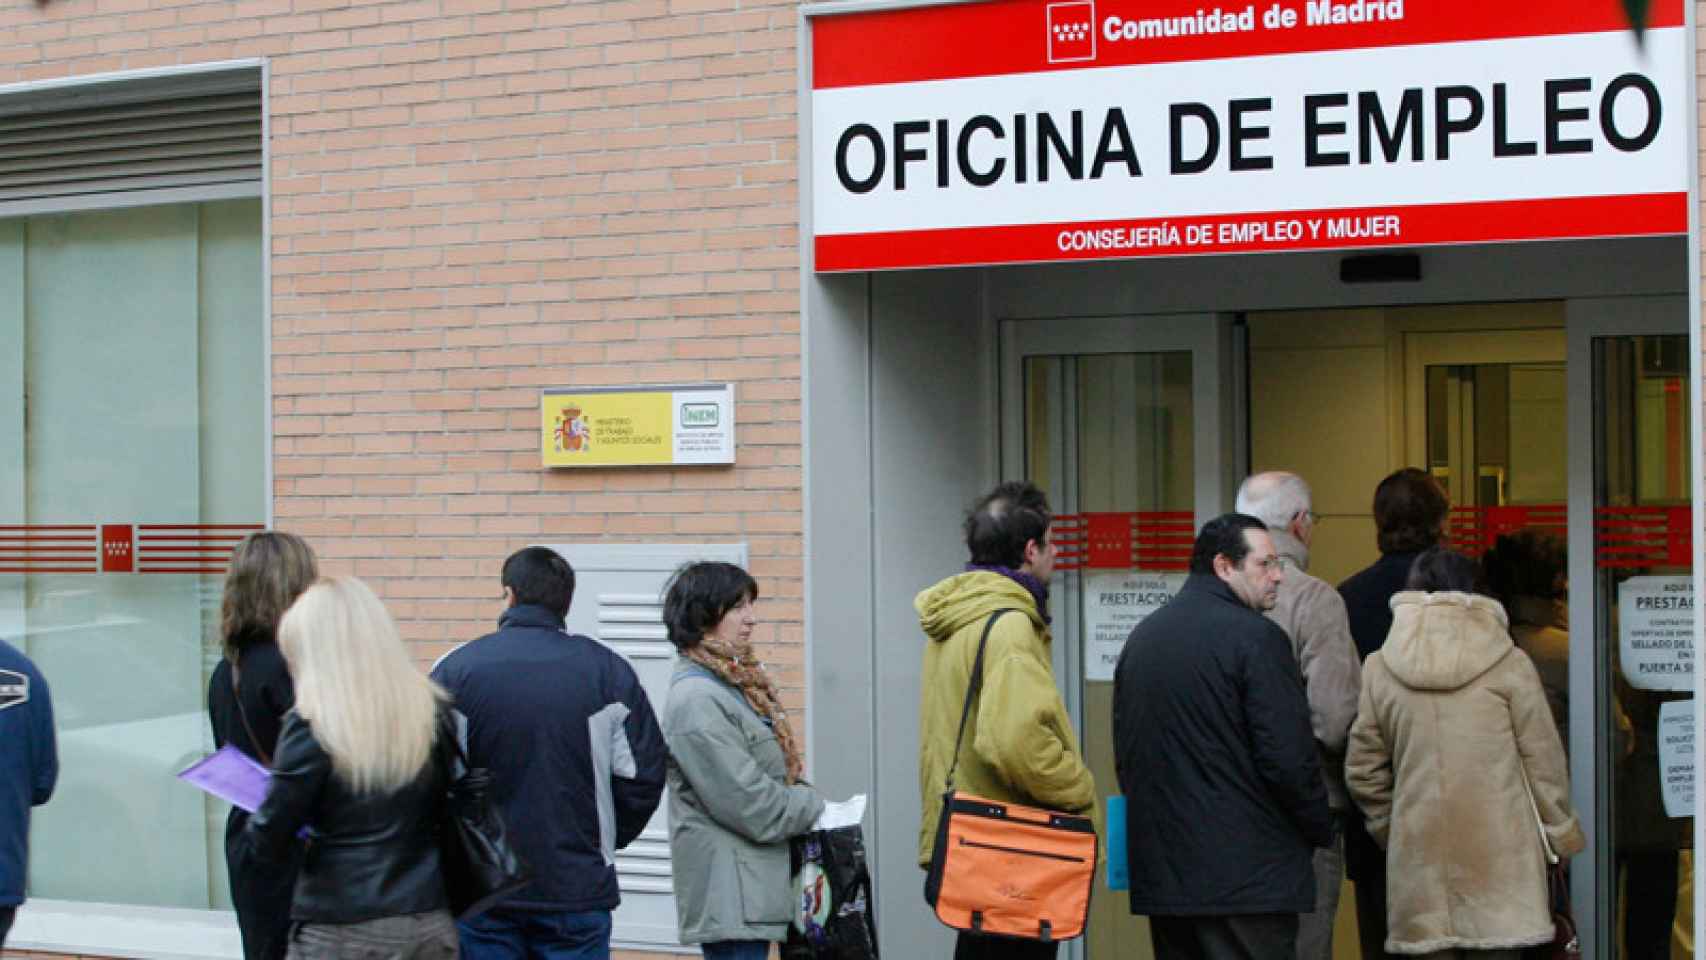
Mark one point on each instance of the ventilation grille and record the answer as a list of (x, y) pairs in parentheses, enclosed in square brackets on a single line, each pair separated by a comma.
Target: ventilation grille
[(65, 149)]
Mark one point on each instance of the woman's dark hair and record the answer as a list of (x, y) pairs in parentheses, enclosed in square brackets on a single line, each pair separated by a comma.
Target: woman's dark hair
[(1223, 537), (1409, 511), (699, 595), (1441, 569), (1003, 520), (540, 577), (1528, 563)]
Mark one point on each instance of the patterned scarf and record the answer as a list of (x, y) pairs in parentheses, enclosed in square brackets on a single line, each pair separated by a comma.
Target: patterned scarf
[(737, 667)]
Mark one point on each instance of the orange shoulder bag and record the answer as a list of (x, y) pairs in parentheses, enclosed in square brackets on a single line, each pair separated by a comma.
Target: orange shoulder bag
[(1008, 870)]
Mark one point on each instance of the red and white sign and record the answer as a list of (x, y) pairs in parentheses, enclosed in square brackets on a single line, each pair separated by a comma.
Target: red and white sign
[(203, 548), (1005, 132)]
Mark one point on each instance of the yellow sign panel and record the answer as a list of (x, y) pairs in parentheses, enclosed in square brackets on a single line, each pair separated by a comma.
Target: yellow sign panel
[(604, 428)]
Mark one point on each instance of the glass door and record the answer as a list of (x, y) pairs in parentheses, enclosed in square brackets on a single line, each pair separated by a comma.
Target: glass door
[(1120, 421), (1633, 540)]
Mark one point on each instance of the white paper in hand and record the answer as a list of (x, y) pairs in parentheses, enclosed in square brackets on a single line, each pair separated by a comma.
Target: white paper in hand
[(844, 813)]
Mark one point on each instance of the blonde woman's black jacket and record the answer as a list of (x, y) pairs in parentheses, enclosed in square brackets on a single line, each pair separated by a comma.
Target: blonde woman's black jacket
[(369, 855), (1217, 760)]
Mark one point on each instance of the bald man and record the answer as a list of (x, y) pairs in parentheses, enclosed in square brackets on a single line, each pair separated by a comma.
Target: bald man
[(1313, 615)]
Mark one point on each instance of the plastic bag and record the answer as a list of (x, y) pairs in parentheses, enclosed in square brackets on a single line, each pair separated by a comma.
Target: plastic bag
[(833, 918)]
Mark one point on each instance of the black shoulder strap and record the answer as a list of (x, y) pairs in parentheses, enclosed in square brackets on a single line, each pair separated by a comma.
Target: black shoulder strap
[(453, 726), (237, 692), (973, 686)]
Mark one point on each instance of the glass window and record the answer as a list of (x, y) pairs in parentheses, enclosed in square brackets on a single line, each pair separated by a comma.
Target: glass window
[(1131, 458), (1644, 607), (136, 457)]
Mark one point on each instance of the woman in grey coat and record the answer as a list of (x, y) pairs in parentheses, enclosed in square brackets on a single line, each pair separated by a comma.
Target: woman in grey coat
[(735, 795)]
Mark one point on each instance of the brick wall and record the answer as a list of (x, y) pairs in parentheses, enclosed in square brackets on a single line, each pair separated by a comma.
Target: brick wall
[(475, 199)]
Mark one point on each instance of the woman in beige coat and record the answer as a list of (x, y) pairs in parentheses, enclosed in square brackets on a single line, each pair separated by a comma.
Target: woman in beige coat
[(1452, 738)]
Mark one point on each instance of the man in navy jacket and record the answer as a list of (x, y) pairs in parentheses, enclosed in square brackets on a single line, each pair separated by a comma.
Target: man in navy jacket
[(29, 765), (577, 763)]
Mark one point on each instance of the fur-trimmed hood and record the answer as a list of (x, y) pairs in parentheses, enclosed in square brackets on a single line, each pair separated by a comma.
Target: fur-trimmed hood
[(1443, 641)]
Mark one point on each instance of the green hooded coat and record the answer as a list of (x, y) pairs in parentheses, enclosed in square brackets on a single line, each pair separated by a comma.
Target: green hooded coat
[(1019, 741)]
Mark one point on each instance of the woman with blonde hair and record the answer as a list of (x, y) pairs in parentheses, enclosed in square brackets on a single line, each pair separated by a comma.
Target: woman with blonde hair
[(363, 762), (247, 698)]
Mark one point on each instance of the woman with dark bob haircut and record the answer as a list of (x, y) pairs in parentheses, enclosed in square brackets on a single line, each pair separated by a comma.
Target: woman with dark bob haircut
[(735, 793), (1457, 765)]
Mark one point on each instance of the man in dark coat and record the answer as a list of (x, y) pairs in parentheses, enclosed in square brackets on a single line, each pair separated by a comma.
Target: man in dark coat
[(1409, 514), (577, 761), (1215, 755)]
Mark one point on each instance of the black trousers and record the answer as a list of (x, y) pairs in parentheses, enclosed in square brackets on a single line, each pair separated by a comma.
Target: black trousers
[(6, 915), (1256, 936), (979, 946), (1649, 896), (1371, 916), (1365, 864), (261, 894)]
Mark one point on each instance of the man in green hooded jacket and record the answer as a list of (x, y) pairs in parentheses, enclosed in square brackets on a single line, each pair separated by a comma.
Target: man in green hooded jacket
[(1019, 744)]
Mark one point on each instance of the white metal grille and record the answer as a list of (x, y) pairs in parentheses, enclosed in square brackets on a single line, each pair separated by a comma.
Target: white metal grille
[(70, 146)]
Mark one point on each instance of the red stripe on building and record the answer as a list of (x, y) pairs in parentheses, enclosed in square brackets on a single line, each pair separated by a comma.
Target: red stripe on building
[(1146, 540), (200, 526), (1653, 214), (955, 41), (217, 570), (33, 569)]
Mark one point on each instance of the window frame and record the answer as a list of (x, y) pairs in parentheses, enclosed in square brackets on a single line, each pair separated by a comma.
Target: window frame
[(83, 928)]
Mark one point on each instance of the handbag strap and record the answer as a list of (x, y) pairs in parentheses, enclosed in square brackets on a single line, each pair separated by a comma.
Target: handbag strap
[(452, 726), (1545, 841), (973, 686), (243, 715)]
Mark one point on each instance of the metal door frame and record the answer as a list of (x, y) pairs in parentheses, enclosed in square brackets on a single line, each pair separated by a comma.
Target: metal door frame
[(1218, 455), (1587, 320)]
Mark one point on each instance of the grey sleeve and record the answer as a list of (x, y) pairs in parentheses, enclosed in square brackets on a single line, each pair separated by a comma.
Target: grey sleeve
[(713, 756)]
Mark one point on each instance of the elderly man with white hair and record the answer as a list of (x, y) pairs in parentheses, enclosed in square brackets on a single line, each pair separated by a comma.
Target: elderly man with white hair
[(1313, 615)]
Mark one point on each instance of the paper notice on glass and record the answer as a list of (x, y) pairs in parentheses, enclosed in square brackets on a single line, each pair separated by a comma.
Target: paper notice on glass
[(1115, 601), (1655, 632), (1676, 757), (231, 776), (843, 813)]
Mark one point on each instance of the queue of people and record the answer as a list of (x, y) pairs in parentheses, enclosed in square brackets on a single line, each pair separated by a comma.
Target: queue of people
[(1269, 729), (343, 857), (1392, 727)]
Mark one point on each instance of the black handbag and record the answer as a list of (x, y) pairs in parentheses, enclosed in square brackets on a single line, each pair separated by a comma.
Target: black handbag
[(833, 904), (1565, 944), (480, 866)]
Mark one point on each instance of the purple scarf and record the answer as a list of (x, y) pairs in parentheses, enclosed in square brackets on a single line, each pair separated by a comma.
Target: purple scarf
[(1037, 589)]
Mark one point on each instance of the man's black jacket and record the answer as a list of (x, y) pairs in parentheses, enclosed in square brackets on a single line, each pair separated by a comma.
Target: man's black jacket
[(1213, 748), (1368, 599), (575, 752)]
